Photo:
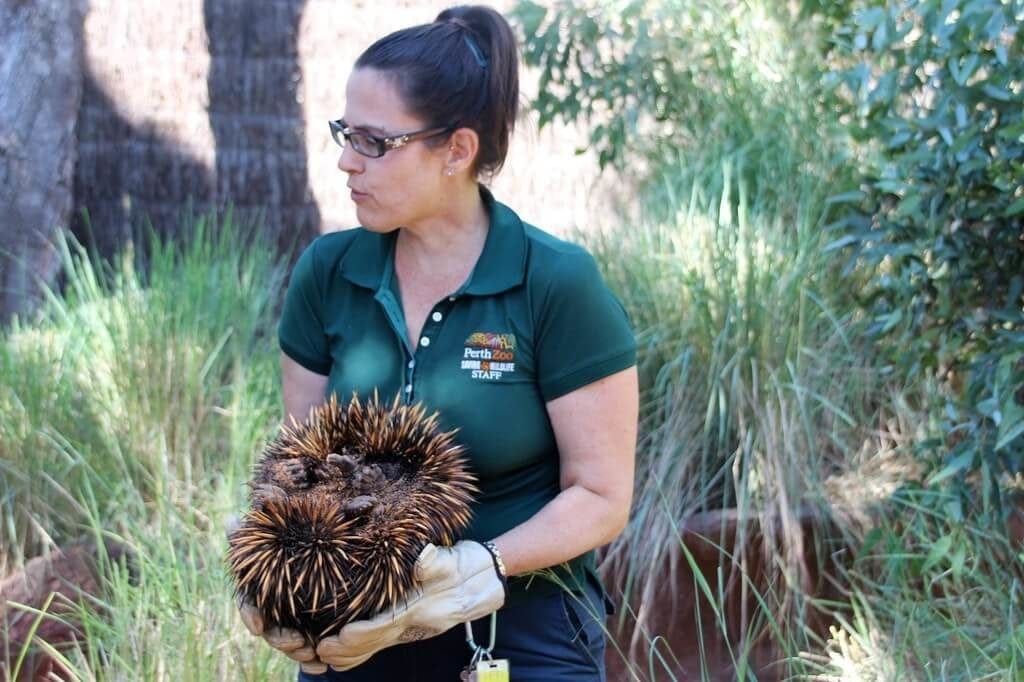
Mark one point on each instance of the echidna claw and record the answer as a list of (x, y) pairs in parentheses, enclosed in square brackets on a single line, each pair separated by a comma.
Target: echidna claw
[(262, 494), (361, 504), (296, 469), (347, 463)]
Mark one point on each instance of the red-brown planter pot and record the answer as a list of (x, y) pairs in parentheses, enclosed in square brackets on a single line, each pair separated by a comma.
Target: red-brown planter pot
[(682, 618), (68, 574)]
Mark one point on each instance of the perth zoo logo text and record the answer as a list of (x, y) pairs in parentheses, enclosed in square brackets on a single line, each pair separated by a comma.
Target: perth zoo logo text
[(488, 356)]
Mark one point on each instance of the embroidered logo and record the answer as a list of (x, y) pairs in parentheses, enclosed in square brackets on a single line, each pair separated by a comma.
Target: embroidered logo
[(487, 355)]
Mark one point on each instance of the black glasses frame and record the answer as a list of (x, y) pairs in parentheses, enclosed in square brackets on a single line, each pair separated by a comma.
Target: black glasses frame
[(380, 146)]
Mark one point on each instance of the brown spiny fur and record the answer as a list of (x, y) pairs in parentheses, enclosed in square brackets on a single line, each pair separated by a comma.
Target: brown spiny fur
[(342, 504)]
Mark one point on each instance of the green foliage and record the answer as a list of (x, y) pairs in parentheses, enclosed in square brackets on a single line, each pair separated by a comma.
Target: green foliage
[(174, 617), (754, 387), (687, 84), (150, 380), (933, 599), (935, 96), (132, 409), (758, 379)]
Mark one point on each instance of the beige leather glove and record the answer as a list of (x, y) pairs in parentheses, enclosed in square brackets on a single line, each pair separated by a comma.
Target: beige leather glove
[(456, 584), (289, 642)]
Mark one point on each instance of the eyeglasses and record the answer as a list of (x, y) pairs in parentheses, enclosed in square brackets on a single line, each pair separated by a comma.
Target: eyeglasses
[(376, 147)]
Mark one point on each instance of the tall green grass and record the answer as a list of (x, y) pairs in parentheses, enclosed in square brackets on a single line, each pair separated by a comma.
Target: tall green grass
[(763, 394), (156, 381), (757, 389), (932, 598), (132, 408), (757, 386)]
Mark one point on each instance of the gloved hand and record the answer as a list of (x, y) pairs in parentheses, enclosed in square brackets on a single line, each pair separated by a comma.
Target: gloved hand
[(289, 642), (456, 584)]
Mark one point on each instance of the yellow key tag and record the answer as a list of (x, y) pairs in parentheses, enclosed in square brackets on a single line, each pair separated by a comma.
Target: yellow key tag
[(491, 670)]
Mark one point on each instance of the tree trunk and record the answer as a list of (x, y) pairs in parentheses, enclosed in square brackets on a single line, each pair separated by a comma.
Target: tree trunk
[(40, 68), (216, 121)]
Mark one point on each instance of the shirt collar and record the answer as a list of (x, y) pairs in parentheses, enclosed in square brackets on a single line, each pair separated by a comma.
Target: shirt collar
[(501, 266)]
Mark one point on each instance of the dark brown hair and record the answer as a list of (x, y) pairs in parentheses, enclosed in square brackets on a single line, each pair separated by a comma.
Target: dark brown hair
[(460, 71)]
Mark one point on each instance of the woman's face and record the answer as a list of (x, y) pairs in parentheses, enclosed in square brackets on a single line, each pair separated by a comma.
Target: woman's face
[(405, 186)]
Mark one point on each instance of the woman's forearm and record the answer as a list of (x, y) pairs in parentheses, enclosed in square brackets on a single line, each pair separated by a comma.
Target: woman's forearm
[(574, 522), (595, 427)]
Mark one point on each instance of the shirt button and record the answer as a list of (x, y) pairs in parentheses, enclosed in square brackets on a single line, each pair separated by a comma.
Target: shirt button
[(451, 298), (408, 388), (424, 341), (436, 317), (412, 363)]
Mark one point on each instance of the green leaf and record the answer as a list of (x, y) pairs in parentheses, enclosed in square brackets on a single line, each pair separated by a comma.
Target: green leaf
[(870, 540), (531, 15), (996, 93), (958, 464), (962, 143), (938, 552), (890, 320), (962, 70), (910, 205), (954, 509), (988, 407), (1009, 432), (958, 560), (899, 139), (871, 18), (1012, 424), (880, 39), (845, 240), (891, 186), (954, 70), (1016, 208), (846, 197)]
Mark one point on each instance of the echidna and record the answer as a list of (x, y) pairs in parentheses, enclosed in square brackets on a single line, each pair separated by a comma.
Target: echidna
[(342, 505)]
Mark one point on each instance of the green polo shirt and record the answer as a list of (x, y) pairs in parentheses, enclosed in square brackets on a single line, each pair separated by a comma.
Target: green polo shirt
[(534, 321)]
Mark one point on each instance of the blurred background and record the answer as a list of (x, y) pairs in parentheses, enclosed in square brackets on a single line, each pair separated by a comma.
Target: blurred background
[(127, 116), (811, 210)]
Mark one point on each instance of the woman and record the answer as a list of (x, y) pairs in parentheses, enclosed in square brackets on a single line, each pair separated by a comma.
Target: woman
[(445, 296)]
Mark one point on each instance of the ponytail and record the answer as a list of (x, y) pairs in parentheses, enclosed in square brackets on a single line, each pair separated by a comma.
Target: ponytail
[(460, 71)]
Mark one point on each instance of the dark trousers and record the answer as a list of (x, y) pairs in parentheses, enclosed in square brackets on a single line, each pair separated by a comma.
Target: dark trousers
[(550, 638)]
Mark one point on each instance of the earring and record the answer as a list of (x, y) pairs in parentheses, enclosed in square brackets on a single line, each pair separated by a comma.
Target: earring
[(449, 172)]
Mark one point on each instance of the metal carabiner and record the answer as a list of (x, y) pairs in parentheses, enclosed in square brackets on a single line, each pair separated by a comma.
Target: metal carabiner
[(479, 651)]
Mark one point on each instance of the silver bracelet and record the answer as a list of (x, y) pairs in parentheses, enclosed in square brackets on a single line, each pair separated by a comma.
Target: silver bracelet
[(498, 563)]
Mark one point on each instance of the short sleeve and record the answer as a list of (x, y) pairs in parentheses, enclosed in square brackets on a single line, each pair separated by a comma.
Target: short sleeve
[(301, 329), (583, 333)]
